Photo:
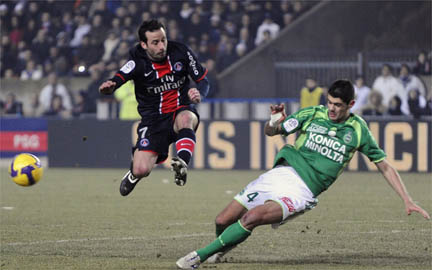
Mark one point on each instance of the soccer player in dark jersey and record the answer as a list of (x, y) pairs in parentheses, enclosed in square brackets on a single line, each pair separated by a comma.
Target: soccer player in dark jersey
[(328, 138), (160, 70)]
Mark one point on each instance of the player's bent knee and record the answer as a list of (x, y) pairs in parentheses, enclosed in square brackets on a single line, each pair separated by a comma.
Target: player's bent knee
[(252, 219), (141, 170)]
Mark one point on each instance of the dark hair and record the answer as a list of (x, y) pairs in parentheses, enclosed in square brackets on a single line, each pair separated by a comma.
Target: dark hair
[(342, 89), (150, 26)]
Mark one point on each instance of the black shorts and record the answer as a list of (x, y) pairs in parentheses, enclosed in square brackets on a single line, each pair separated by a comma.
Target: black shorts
[(157, 137)]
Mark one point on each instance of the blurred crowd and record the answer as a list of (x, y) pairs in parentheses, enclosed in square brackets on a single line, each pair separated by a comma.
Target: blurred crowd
[(65, 39), (79, 38), (397, 91)]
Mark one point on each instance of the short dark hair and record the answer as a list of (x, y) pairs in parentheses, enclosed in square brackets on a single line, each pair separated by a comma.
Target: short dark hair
[(150, 26), (342, 89)]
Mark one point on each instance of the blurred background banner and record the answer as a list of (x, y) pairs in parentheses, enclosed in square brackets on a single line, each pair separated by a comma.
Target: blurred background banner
[(55, 54), (225, 145), (18, 135)]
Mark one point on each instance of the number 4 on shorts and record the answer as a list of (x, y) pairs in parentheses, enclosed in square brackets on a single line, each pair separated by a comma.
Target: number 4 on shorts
[(252, 196)]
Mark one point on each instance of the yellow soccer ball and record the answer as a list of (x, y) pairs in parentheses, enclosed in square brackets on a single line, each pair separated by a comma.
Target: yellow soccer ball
[(26, 169)]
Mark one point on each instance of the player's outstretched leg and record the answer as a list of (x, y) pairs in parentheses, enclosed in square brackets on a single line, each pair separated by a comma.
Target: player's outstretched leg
[(128, 183), (179, 166)]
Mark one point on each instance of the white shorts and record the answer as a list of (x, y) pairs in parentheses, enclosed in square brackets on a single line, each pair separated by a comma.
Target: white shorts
[(283, 185)]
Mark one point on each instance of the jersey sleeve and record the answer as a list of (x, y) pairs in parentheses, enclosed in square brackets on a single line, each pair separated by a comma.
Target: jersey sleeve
[(370, 148), (127, 71), (295, 121), (195, 69)]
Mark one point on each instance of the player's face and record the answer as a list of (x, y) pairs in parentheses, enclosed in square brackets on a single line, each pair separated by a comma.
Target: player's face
[(338, 110), (156, 45)]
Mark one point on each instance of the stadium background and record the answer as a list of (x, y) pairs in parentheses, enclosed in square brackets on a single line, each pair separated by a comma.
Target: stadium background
[(75, 218), (314, 43)]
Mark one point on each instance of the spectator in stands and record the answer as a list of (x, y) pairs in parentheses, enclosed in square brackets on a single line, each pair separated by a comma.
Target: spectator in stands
[(395, 106), (32, 71), (110, 44), (91, 93), (58, 61), (310, 94), (389, 87), (82, 29), (87, 53), (423, 64), (267, 25), (33, 109), (12, 106), (417, 104), (125, 95), (374, 106), (52, 89), (245, 39), (40, 45), (57, 109), (411, 82), (362, 92)]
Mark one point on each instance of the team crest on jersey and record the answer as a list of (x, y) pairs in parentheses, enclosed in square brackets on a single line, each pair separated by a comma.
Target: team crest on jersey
[(144, 142), (347, 137), (128, 67), (290, 124), (178, 66)]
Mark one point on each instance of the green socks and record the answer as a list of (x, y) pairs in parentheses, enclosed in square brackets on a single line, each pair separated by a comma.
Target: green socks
[(231, 236)]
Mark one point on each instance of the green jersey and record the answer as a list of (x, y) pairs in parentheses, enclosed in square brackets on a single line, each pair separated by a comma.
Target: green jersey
[(324, 148)]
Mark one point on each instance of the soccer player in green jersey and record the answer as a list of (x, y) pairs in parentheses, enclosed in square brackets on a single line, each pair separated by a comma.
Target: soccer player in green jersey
[(328, 138)]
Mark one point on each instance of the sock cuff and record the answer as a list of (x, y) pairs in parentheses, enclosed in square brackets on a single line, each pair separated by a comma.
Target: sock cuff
[(241, 226)]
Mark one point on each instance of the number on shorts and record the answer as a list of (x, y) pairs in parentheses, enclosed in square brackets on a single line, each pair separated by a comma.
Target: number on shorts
[(252, 196), (144, 130)]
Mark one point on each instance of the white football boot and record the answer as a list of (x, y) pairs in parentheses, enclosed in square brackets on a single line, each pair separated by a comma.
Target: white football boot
[(190, 261)]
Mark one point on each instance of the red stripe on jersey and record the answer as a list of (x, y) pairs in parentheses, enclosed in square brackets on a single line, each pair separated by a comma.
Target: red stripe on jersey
[(185, 144), (202, 77), (118, 74), (162, 69), (169, 101)]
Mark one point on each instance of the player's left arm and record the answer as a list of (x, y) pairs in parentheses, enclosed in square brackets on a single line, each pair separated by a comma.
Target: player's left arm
[(395, 181)]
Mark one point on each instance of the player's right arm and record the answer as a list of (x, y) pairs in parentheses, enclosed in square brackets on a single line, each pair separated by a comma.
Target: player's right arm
[(273, 127), (107, 87)]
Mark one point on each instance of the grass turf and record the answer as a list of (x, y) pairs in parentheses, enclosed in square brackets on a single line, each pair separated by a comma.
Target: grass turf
[(76, 219)]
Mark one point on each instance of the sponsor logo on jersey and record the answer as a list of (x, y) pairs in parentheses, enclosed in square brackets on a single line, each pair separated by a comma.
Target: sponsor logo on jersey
[(347, 138), (290, 124), (144, 142), (326, 146), (178, 66), (317, 129), (193, 64), (128, 67), (168, 82)]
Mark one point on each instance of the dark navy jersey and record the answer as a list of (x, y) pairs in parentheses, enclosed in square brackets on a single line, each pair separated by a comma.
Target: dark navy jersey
[(161, 87)]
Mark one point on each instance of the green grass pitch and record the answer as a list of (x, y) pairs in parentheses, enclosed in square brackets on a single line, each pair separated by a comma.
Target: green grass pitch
[(76, 219)]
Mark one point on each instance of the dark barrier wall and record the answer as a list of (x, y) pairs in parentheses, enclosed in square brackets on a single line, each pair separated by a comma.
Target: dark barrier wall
[(226, 145), (89, 143)]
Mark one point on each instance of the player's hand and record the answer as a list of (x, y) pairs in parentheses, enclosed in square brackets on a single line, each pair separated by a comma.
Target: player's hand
[(277, 114), (412, 207), (107, 87), (194, 95)]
